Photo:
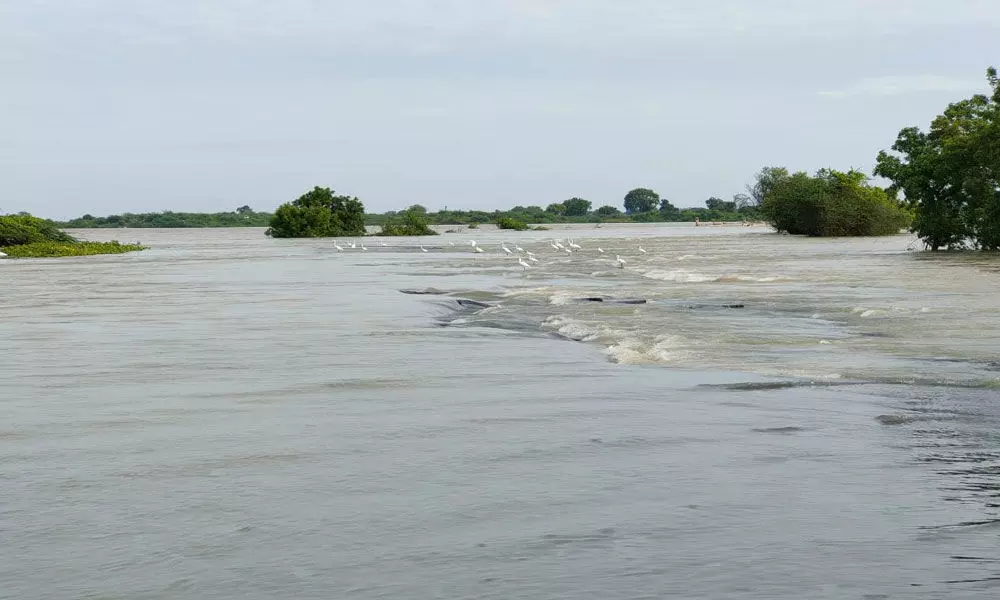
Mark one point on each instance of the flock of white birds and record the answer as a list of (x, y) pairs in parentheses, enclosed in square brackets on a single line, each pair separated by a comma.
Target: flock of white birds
[(525, 258)]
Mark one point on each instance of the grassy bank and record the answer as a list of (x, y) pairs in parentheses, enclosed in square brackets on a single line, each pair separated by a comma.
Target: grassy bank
[(59, 249)]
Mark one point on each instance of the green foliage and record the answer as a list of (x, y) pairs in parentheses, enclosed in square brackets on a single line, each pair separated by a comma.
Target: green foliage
[(242, 217), (832, 203), (556, 209), (509, 223), (53, 249), (719, 204), (608, 211), (25, 229), (641, 200), (950, 175), (411, 222), (763, 182), (473, 225), (576, 207), (25, 236), (319, 213), (668, 211)]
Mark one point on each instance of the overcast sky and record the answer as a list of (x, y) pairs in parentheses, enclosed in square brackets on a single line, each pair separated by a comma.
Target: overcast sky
[(142, 105)]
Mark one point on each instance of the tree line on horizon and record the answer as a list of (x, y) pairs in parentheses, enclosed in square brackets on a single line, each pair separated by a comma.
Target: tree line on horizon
[(944, 184)]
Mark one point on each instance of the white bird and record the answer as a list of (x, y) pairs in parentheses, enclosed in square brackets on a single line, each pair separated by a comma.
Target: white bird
[(519, 249), (574, 245), (568, 251), (641, 249), (504, 248), (422, 249), (353, 245), (450, 243), (601, 250), (381, 243), (621, 261), (532, 258), (521, 262), (478, 249), (472, 243), (554, 245), (363, 247), (338, 246), (2, 255)]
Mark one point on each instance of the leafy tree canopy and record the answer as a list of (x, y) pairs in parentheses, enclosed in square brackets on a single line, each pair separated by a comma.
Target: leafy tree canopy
[(832, 203), (950, 175), (641, 200), (319, 213), (576, 207), (667, 209), (714, 203), (763, 181), (608, 211)]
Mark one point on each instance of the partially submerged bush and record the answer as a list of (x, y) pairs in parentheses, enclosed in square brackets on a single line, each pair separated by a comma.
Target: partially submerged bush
[(411, 222), (509, 223), (59, 249), (23, 228), (832, 204)]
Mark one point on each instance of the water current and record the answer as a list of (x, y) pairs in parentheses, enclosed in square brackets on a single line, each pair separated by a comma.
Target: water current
[(727, 413)]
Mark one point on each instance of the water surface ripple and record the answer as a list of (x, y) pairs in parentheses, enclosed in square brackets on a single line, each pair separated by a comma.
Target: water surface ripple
[(733, 414)]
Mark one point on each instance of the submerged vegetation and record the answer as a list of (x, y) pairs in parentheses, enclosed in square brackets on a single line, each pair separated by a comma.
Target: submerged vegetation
[(318, 213), (409, 222), (25, 236), (59, 249), (831, 203), (511, 223)]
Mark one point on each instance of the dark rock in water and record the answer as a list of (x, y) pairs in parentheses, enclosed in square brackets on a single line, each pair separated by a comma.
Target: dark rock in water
[(895, 419), (471, 303), (421, 292), (612, 300), (697, 306), (779, 430)]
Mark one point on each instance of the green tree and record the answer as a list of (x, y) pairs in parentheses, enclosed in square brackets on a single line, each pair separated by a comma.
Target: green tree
[(950, 175), (641, 200), (832, 203), (319, 213), (719, 204), (763, 181), (668, 211), (409, 222), (576, 207), (556, 209), (608, 211), (418, 209), (244, 210)]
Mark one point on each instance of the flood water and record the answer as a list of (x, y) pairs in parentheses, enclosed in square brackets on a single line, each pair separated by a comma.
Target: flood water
[(229, 416)]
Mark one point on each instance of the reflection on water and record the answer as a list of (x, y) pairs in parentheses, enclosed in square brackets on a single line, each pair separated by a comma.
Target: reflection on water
[(732, 414)]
